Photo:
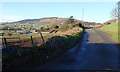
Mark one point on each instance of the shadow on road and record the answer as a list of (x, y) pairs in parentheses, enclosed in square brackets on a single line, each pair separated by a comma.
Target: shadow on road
[(95, 57)]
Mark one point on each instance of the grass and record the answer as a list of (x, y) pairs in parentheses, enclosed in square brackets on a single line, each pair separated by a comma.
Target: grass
[(112, 29)]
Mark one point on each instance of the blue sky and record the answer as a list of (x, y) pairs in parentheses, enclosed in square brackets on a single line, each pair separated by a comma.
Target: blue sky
[(93, 11)]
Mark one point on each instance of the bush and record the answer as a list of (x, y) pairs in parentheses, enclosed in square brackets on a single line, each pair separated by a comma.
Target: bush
[(9, 34), (56, 27), (21, 33), (69, 20), (65, 27), (42, 28), (108, 23)]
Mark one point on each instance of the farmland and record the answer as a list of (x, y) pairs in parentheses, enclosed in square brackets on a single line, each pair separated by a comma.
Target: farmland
[(33, 26), (58, 40)]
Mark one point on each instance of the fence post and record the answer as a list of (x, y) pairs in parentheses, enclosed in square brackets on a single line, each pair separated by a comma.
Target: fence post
[(42, 37), (20, 43), (5, 42), (32, 41)]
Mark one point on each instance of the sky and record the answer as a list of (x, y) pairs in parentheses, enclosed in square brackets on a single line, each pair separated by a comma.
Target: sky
[(93, 11)]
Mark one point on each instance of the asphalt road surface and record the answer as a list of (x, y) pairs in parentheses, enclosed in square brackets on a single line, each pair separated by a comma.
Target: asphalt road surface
[(96, 52)]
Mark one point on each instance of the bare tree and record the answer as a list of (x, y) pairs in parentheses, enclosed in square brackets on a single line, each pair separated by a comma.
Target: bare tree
[(115, 12), (118, 9)]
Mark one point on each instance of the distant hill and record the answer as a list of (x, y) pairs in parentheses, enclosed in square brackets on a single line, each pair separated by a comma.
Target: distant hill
[(29, 24), (45, 20), (28, 20), (111, 21), (48, 20)]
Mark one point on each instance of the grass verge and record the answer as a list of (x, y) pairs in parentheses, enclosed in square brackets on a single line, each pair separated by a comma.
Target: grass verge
[(112, 29)]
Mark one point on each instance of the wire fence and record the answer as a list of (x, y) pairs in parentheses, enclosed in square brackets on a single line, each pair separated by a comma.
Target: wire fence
[(16, 44), (15, 41)]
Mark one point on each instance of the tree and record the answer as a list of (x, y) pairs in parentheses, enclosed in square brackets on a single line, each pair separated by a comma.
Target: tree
[(9, 34), (83, 27), (71, 17), (69, 20), (42, 28), (116, 11), (56, 27)]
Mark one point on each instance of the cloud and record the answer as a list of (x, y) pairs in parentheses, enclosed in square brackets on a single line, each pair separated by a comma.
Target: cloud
[(9, 18)]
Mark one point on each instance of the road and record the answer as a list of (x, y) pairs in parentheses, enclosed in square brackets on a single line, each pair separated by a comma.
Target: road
[(96, 52)]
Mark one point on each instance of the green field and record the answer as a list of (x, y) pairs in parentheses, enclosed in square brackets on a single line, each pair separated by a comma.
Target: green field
[(112, 29)]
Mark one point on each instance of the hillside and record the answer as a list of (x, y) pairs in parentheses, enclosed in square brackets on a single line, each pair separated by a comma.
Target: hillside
[(46, 24), (50, 20), (110, 21), (42, 22), (35, 23)]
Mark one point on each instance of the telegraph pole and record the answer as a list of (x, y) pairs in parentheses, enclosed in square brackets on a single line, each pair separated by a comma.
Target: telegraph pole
[(82, 14), (83, 20)]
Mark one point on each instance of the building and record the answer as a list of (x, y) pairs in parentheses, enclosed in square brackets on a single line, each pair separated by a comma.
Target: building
[(28, 32)]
